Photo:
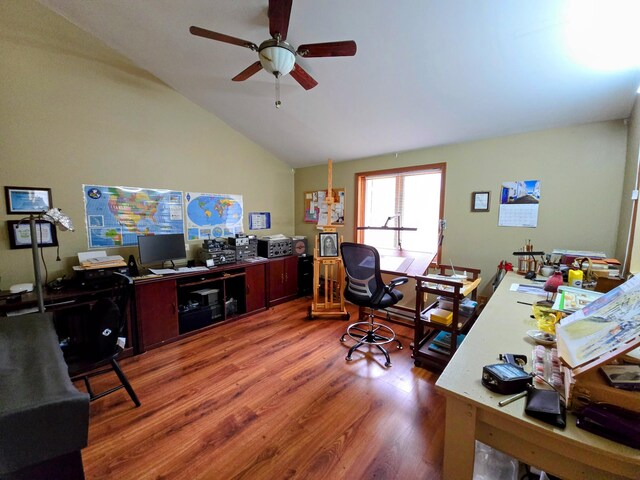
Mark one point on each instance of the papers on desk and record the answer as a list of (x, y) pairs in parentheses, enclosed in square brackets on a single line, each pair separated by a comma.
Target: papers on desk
[(605, 328), (99, 259), (570, 299), (530, 288)]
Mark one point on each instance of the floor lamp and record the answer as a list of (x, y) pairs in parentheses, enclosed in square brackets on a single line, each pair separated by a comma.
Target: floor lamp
[(57, 219)]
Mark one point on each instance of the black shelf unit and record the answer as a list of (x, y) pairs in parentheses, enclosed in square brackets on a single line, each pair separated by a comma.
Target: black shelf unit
[(426, 330)]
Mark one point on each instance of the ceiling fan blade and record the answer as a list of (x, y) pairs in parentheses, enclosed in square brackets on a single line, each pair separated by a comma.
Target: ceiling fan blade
[(201, 32), (279, 13), (302, 77), (330, 49), (247, 72)]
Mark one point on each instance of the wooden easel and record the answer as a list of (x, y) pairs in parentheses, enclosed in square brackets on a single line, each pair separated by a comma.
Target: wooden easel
[(331, 303)]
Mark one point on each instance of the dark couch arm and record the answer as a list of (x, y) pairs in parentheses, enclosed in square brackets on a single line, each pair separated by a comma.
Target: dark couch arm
[(42, 415)]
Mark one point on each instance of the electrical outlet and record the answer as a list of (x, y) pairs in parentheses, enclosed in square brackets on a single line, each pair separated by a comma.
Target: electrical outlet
[(186, 247)]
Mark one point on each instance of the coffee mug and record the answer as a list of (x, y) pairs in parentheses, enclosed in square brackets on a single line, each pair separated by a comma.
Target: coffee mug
[(546, 271)]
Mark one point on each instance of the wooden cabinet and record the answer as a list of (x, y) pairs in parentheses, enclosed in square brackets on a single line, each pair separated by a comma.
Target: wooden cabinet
[(282, 279), (449, 290), (156, 312), (256, 298), (169, 308)]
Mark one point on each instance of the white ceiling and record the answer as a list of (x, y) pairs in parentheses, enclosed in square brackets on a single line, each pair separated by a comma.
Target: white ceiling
[(426, 73)]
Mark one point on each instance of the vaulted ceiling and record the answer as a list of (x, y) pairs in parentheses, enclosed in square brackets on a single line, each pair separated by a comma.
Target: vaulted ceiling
[(426, 72)]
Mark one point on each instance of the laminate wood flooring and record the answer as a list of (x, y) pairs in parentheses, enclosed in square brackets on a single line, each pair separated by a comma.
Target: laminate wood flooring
[(270, 396)]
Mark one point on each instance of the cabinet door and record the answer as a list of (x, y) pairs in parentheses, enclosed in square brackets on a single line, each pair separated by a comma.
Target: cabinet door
[(290, 277), (276, 279), (157, 313), (255, 291)]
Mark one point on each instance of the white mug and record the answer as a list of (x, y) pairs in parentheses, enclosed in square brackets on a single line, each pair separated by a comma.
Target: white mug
[(546, 271)]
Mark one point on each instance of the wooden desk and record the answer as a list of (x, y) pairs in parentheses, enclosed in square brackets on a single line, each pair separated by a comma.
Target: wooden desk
[(405, 263), (395, 264), (53, 300), (473, 412)]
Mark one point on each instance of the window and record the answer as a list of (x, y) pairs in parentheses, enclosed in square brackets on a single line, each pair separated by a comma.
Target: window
[(411, 197)]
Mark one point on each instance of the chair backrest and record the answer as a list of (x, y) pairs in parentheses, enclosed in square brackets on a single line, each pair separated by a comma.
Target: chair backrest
[(365, 286), (108, 319)]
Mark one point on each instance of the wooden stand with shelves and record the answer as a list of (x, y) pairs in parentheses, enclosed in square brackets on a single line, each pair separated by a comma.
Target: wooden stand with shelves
[(441, 284)]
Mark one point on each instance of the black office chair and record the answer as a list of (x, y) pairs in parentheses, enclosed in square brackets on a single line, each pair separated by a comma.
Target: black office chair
[(106, 323), (365, 288)]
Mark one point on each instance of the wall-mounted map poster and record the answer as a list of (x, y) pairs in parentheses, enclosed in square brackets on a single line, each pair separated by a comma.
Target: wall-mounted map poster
[(213, 215), (116, 216)]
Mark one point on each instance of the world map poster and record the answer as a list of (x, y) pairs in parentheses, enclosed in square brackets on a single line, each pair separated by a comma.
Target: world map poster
[(116, 216), (213, 215)]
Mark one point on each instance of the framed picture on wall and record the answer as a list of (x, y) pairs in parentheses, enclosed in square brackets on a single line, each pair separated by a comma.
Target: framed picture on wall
[(27, 199), (480, 201), (328, 244), (20, 234)]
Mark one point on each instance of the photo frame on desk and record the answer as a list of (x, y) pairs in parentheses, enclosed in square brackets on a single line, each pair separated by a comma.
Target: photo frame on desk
[(20, 234), (22, 200), (480, 201), (328, 244)]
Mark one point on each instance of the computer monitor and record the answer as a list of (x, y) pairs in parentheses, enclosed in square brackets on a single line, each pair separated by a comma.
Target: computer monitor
[(161, 248)]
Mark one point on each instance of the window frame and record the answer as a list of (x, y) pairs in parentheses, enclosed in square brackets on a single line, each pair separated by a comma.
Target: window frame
[(360, 196)]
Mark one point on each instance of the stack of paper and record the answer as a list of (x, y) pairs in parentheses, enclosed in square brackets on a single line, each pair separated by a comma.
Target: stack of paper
[(103, 262)]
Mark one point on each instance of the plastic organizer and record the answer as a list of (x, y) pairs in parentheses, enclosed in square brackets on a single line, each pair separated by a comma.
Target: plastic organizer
[(547, 369)]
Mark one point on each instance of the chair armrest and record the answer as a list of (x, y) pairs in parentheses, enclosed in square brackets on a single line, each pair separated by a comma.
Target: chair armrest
[(394, 283), (397, 281)]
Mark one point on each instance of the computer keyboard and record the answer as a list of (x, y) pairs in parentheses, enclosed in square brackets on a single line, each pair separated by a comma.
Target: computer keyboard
[(192, 269), (149, 275)]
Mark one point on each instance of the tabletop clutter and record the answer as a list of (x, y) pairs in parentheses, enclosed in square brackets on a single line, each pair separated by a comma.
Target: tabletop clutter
[(586, 357)]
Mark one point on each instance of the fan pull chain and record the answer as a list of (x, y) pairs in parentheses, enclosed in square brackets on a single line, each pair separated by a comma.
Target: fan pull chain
[(278, 102)]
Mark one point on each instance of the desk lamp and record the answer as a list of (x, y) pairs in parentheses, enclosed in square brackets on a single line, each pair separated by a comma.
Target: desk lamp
[(57, 219)]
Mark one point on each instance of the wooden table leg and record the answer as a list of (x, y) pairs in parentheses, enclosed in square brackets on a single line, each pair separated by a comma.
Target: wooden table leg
[(459, 440)]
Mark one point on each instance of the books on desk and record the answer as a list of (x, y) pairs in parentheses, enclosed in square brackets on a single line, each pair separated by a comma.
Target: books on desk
[(442, 342)]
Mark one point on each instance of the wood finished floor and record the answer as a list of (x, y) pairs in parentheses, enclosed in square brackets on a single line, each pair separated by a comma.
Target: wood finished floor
[(269, 397)]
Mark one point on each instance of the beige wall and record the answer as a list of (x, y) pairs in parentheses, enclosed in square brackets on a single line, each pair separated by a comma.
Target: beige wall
[(581, 169), (75, 112), (631, 172)]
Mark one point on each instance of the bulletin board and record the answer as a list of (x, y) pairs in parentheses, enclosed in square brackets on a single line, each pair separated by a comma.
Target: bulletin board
[(315, 207)]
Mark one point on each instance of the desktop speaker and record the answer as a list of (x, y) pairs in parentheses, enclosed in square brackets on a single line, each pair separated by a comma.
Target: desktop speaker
[(133, 266)]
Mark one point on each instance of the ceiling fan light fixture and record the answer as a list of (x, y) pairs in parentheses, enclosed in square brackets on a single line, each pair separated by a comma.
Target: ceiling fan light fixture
[(277, 58)]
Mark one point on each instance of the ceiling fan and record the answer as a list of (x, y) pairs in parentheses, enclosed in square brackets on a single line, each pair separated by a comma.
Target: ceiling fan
[(277, 56)]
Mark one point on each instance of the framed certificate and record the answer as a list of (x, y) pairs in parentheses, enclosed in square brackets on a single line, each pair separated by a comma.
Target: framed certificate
[(27, 199), (20, 234), (480, 201)]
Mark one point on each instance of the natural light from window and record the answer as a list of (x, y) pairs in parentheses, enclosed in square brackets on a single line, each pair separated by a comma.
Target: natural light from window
[(406, 199)]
